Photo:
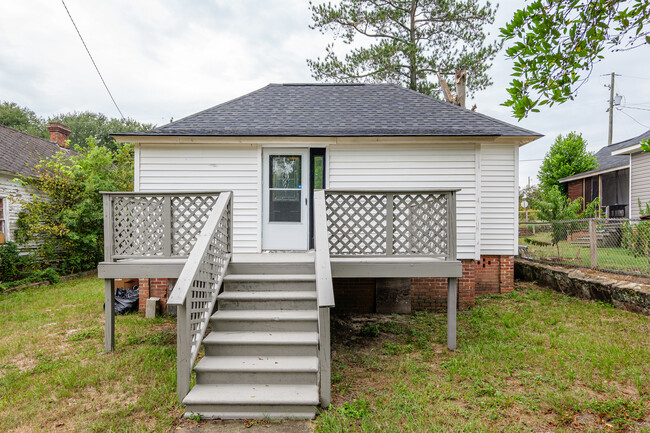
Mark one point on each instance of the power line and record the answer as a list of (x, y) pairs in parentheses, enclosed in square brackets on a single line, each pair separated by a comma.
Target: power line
[(645, 126), (93, 60), (636, 108), (637, 78)]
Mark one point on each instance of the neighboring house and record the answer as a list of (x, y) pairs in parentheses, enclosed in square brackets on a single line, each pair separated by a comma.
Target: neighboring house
[(610, 182), (639, 172), (420, 208), (19, 152)]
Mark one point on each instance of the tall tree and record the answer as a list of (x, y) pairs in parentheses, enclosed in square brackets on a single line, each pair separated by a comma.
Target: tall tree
[(567, 156), (411, 41), (22, 119), (98, 126), (555, 43)]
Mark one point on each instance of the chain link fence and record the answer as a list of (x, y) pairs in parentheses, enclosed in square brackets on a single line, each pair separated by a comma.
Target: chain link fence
[(620, 245)]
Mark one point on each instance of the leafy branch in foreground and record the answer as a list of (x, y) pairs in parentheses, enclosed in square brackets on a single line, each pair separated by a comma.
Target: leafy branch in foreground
[(555, 43)]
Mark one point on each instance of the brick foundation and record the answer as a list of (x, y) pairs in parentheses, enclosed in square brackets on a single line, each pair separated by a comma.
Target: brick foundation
[(155, 288), (494, 274), (491, 274)]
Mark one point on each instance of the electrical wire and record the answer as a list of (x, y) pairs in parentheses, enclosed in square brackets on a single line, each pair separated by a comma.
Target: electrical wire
[(93, 60), (645, 126), (636, 78)]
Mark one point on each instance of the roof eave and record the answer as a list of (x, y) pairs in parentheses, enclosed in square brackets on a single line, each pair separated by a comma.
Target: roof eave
[(635, 148), (593, 173)]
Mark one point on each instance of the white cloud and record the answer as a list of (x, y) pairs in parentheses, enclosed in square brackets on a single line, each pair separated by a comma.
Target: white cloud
[(164, 58)]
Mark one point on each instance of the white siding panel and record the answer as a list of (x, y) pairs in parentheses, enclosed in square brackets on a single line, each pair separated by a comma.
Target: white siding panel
[(639, 182), (412, 166), (188, 167), (12, 192), (498, 185)]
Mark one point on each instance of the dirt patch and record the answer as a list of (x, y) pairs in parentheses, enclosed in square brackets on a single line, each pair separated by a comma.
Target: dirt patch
[(23, 363)]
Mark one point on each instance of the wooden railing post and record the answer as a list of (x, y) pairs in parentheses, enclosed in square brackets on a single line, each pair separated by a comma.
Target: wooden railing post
[(389, 224), (183, 352), (452, 305), (167, 225), (451, 226), (108, 227), (109, 315)]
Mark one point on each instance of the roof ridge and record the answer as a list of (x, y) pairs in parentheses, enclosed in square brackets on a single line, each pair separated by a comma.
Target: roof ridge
[(30, 135)]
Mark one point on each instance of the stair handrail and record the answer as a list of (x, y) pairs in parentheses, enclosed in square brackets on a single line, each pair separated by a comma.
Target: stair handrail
[(324, 293), (197, 287)]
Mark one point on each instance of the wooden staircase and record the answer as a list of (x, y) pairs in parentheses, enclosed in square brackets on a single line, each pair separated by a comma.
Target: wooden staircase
[(261, 356)]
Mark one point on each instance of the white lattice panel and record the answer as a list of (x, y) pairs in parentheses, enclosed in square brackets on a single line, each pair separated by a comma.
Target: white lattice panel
[(356, 223), (189, 214), (420, 224), (138, 228)]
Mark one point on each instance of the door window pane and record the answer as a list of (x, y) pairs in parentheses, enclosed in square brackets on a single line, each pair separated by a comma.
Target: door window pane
[(285, 171), (285, 188), (285, 205)]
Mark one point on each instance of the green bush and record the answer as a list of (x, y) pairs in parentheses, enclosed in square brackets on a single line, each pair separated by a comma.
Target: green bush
[(49, 275), (65, 219), (12, 264)]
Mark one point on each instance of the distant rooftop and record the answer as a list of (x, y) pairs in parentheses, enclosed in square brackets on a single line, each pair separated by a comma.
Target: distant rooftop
[(20, 151), (609, 162), (336, 110)]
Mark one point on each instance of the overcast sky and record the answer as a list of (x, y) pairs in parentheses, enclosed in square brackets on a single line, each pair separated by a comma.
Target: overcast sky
[(170, 58)]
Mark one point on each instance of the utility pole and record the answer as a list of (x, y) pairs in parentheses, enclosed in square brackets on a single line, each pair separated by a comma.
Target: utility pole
[(611, 109)]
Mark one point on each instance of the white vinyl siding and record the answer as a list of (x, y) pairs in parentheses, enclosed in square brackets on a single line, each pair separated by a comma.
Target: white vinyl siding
[(193, 167), (498, 204), (404, 166), (639, 182)]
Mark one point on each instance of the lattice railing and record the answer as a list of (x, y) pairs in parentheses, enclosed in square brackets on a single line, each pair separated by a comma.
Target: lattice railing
[(195, 292), (154, 225), (391, 223)]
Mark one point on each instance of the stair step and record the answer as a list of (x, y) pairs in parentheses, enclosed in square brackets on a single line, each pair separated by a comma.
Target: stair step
[(267, 300), (236, 343), (266, 282), (246, 401), (280, 267), (297, 370), (275, 295), (265, 320)]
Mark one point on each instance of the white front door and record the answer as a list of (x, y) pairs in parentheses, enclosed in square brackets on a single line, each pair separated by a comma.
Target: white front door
[(285, 180)]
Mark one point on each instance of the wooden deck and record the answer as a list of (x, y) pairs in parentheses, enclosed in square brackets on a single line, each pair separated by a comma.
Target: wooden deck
[(342, 267)]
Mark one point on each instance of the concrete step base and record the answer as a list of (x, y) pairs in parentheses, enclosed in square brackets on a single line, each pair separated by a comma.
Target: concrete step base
[(242, 401)]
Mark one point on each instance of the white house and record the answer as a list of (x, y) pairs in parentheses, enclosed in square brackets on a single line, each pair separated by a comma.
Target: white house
[(416, 190), (639, 172)]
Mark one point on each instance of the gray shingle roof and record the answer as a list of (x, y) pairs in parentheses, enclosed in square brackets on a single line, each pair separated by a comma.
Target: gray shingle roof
[(337, 110), (607, 161), (20, 151)]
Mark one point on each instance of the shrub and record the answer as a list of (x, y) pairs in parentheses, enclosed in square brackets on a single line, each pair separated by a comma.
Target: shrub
[(65, 219), (12, 264)]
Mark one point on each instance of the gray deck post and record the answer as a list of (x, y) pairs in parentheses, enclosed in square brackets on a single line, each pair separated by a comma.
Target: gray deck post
[(183, 352), (452, 294), (109, 315), (325, 357)]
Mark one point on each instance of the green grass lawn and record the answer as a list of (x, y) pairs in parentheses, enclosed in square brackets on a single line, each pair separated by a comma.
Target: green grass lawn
[(533, 360), (615, 259), (55, 376)]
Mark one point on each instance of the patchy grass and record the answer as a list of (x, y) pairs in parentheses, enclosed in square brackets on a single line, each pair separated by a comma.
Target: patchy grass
[(532, 360), (55, 376)]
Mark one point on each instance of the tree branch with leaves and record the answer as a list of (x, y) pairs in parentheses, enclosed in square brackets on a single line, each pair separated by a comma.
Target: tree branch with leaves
[(555, 44)]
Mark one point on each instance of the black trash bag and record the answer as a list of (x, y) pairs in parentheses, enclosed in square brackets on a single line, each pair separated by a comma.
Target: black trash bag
[(127, 301)]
